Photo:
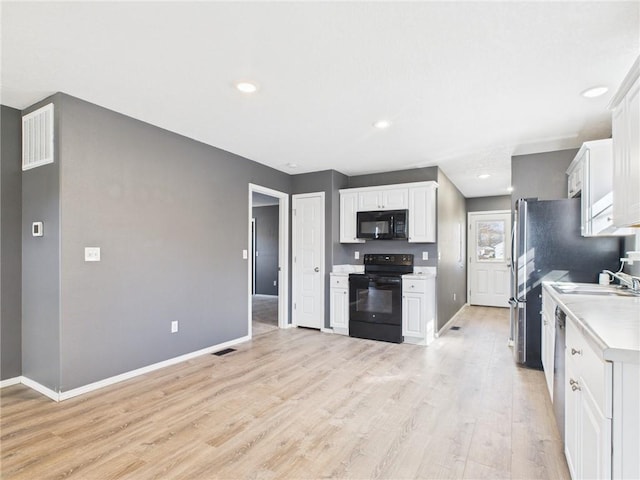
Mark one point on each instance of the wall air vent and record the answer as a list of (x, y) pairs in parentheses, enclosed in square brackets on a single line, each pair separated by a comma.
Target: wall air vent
[(37, 137)]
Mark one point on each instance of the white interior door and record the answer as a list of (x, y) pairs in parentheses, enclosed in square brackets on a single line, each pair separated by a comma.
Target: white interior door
[(489, 258), (308, 260)]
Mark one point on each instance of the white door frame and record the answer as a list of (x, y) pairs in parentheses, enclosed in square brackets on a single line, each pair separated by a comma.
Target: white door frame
[(283, 255), (471, 240), (322, 256)]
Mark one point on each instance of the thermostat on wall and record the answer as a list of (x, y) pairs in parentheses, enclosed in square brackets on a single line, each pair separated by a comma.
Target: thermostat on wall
[(37, 229)]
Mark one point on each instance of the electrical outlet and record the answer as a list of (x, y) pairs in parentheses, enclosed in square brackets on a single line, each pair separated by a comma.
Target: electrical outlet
[(91, 254), (275, 283), (425, 255), (174, 326), (356, 255)]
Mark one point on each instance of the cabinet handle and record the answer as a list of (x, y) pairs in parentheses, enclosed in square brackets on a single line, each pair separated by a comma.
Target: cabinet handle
[(572, 381), (575, 387), (576, 352), (412, 286)]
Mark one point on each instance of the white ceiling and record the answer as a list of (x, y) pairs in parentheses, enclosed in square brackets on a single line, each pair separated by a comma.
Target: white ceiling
[(465, 85)]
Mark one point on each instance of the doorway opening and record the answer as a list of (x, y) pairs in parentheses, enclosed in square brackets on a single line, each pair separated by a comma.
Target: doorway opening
[(268, 260)]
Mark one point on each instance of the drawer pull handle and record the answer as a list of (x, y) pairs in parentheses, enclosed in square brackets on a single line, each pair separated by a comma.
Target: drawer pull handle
[(575, 387), (576, 352)]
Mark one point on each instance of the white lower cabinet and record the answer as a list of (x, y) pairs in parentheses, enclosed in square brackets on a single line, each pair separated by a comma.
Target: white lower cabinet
[(418, 309), (548, 339), (601, 412), (339, 303)]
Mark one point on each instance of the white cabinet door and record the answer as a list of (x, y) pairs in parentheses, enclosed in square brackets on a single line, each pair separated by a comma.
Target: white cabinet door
[(384, 199), (548, 338), (395, 199), (348, 226), (626, 159), (422, 214), (571, 419), (413, 322), (595, 438), (340, 310)]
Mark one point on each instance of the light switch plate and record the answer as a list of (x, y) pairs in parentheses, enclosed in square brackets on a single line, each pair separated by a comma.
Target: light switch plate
[(245, 254), (37, 229), (356, 255), (425, 255), (91, 254)]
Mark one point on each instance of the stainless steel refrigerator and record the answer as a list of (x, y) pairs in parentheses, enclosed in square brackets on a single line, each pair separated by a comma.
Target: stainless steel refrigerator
[(547, 246)]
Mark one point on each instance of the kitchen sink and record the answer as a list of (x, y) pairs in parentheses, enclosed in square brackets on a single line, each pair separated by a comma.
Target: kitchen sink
[(602, 290)]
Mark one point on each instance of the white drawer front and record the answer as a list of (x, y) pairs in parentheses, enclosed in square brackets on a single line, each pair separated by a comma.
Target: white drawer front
[(414, 286), (339, 281), (591, 369)]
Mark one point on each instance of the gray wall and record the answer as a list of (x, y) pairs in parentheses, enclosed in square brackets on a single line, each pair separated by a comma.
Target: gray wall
[(484, 204), (41, 269), (452, 267), (266, 238), (171, 217), (541, 175), (10, 244)]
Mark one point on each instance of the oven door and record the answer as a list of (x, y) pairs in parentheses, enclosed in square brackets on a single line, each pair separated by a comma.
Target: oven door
[(375, 307), (375, 298)]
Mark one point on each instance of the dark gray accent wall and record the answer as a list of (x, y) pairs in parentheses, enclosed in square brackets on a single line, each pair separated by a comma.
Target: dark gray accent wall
[(485, 204), (41, 267), (10, 244), (171, 218), (266, 238), (541, 175), (452, 267)]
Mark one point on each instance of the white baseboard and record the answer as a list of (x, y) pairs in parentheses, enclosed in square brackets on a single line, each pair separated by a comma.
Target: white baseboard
[(451, 321), (10, 381), (326, 330), (60, 396), (46, 391)]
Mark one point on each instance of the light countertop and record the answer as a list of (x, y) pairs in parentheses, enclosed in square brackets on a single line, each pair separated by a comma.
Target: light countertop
[(612, 323)]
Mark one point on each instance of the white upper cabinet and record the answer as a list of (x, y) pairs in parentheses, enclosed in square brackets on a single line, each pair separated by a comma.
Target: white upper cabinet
[(591, 175), (625, 107), (422, 213), (419, 198), (391, 199), (348, 209)]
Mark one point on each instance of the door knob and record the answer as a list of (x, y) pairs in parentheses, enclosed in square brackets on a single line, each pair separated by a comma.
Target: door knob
[(317, 269)]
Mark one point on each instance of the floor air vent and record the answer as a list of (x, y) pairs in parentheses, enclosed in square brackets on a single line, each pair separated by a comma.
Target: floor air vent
[(37, 137), (455, 328), (224, 352)]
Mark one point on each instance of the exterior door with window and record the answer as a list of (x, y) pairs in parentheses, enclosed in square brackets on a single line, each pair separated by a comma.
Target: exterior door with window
[(489, 258)]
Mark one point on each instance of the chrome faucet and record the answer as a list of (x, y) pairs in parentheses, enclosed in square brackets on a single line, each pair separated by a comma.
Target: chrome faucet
[(629, 281)]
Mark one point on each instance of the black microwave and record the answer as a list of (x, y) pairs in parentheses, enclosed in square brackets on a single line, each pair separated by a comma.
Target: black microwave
[(382, 225)]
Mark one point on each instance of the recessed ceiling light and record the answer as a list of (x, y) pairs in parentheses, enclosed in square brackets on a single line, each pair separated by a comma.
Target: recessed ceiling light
[(595, 92), (292, 165), (509, 189), (484, 175), (246, 87), (382, 124)]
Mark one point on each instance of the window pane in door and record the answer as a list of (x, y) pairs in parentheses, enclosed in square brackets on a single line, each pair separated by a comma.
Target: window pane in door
[(490, 240)]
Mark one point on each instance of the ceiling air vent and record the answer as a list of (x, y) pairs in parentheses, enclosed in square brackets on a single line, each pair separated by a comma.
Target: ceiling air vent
[(37, 137)]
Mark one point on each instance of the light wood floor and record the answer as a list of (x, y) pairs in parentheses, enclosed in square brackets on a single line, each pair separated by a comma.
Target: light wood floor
[(302, 404), (264, 314)]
